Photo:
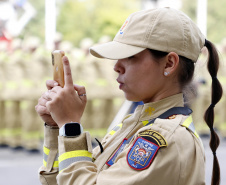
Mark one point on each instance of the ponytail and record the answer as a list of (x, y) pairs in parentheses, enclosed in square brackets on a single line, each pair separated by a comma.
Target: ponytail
[(213, 65)]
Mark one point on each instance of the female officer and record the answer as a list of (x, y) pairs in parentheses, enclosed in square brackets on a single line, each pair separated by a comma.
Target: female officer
[(157, 144)]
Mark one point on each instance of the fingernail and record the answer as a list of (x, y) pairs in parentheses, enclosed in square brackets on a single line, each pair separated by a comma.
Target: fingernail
[(65, 59), (55, 84)]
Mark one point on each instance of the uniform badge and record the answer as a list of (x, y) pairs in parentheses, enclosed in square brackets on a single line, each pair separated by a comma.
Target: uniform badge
[(144, 149)]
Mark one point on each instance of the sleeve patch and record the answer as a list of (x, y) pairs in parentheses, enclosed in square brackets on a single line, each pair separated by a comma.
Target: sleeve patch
[(154, 137), (141, 154)]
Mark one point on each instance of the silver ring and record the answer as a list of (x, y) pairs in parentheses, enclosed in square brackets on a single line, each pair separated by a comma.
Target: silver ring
[(82, 95)]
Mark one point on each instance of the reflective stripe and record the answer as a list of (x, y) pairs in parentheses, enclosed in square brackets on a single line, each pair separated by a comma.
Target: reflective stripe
[(32, 135), (67, 162), (77, 153), (112, 132), (11, 132), (55, 164), (70, 157), (45, 158), (188, 123), (145, 122), (46, 150), (117, 127)]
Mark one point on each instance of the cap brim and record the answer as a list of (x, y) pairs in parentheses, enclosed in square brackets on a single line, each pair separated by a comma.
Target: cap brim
[(115, 50)]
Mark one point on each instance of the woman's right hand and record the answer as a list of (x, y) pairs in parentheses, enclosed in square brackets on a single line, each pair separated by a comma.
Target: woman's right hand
[(41, 108)]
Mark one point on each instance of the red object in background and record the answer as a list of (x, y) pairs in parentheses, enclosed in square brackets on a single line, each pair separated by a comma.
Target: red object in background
[(5, 37)]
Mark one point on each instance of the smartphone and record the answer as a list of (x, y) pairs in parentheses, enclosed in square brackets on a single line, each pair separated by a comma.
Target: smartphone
[(58, 70)]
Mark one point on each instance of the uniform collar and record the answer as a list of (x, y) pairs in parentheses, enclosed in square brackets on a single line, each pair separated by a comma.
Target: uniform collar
[(152, 110)]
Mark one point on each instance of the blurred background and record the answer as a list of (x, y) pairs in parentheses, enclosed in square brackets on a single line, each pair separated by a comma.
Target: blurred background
[(30, 30)]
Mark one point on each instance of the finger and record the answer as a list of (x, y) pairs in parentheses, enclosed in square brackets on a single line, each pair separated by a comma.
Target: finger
[(49, 95), (81, 91), (50, 84), (41, 110), (67, 72), (46, 95), (56, 89), (42, 101)]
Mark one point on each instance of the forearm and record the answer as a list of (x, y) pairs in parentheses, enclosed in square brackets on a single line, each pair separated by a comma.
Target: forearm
[(75, 160), (49, 170)]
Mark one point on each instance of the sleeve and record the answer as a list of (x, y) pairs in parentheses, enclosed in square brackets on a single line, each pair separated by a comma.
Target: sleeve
[(49, 170), (76, 166)]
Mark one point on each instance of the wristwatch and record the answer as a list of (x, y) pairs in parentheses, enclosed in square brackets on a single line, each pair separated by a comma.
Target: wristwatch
[(71, 129)]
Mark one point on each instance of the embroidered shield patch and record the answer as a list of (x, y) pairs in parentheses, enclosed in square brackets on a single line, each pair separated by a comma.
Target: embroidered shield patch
[(141, 154), (144, 149)]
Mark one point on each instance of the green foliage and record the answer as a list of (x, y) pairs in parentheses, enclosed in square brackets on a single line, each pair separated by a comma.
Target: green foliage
[(78, 19), (216, 21)]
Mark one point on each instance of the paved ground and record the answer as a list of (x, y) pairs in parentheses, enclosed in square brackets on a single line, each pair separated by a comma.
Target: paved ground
[(20, 167)]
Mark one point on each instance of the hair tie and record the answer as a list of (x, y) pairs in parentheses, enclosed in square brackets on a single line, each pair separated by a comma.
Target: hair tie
[(214, 77), (214, 153)]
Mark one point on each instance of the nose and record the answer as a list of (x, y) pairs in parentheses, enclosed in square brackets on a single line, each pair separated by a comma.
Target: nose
[(119, 68)]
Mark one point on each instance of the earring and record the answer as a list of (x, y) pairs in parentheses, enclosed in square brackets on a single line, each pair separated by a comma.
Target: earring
[(166, 73)]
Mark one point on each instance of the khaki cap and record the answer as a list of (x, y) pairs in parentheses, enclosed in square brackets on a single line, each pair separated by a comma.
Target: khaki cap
[(162, 29)]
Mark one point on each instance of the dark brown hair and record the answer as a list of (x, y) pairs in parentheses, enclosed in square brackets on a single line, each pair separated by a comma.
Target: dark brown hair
[(213, 65), (185, 76)]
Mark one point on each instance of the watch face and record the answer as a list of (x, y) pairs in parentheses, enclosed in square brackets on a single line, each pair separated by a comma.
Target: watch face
[(72, 129)]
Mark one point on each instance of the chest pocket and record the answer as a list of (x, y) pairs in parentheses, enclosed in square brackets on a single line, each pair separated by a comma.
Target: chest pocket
[(188, 123)]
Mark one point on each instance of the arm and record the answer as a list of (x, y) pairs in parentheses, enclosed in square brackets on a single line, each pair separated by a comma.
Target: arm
[(49, 169)]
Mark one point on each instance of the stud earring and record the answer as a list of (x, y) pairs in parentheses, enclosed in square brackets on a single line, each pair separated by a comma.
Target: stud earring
[(166, 73)]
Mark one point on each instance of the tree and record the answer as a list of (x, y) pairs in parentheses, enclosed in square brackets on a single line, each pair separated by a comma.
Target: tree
[(215, 20), (93, 18)]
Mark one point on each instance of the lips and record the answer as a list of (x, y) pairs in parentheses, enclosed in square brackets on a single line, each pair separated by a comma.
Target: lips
[(120, 83)]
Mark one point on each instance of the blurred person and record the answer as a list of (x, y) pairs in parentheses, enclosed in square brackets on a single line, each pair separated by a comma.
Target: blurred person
[(157, 144), (85, 44), (32, 76), (57, 40)]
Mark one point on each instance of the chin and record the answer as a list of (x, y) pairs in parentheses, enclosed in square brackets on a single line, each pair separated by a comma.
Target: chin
[(132, 98)]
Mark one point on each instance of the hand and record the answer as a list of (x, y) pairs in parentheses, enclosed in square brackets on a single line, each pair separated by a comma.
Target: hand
[(42, 111), (66, 104)]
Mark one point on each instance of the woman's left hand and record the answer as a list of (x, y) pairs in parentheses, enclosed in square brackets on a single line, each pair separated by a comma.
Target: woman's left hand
[(66, 104)]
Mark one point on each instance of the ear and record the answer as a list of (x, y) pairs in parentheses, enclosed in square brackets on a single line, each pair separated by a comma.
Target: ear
[(172, 63)]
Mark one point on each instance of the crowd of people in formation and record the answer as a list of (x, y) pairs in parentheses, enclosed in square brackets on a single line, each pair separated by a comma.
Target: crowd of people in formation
[(26, 66)]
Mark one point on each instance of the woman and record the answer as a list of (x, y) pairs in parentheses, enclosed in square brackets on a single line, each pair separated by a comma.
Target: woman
[(155, 52)]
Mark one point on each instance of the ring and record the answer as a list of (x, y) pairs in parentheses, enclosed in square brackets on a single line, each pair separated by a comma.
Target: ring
[(82, 95)]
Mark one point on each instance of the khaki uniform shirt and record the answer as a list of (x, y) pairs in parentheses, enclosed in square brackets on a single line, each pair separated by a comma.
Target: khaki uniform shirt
[(179, 160)]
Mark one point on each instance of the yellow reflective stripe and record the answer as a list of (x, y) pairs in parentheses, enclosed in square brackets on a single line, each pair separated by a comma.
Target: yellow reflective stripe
[(196, 134), (56, 164), (120, 125), (11, 132), (187, 122), (115, 129), (44, 163), (32, 135), (77, 153), (46, 150), (145, 122), (112, 132)]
